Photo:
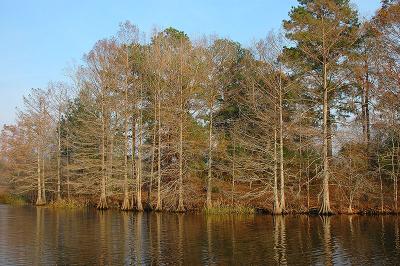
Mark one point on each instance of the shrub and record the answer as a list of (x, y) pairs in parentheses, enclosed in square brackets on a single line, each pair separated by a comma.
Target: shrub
[(13, 199)]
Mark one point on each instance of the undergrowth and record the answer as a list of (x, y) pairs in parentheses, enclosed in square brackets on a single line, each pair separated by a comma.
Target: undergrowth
[(13, 199)]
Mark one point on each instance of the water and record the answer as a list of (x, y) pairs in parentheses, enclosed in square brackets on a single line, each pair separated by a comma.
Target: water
[(40, 236)]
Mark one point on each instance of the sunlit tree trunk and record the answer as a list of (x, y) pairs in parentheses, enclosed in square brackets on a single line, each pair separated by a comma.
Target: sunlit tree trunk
[(181, 110), (103, 199), (59, 160), (67, 166), (140, 159), (365, 109), (233, 170), (159, 200), (281, 161), (308, 183), (39, 200), (209, 177), (380, 181), (153, 153), (133, 157), (126, 205), (43, 180), (110, 159), (325, 205), (180, 199), (277, 206), (394, 175)]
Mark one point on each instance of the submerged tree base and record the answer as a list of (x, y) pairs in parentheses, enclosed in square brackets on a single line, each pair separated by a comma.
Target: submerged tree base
[(217, 209), (102, 205), (180, 208), (40, 202), (278, 211), (149, 207), (325, 210), (126, 205)]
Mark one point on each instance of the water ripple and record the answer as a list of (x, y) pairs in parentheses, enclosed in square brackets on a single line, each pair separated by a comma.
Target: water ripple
[(41, 236)]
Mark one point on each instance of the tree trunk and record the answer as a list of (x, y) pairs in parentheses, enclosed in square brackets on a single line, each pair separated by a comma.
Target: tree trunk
[(381, 183), (102, 205), (126, 205), (159, 201), (277, 206), (133, 158), (394, 176), (68, 181), (39, 200), (350, 208), (300, 163), (59, 162), (180, 199), (153, 151), (397, 174), (329, 129), (308, 183), (181, 207), (110, 159), (139, 164), (43, 181), (209, 186), (281, 166), (325, 208), (233, 170), (365, 109)]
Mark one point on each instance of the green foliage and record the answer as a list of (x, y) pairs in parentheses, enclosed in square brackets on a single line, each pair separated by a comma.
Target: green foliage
[(172, 36), (308, 23)]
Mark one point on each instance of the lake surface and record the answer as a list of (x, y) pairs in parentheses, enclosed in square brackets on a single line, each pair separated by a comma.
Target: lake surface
[(41, 236)]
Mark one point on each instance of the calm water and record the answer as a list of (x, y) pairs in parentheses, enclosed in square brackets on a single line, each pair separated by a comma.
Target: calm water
[(37, 236)]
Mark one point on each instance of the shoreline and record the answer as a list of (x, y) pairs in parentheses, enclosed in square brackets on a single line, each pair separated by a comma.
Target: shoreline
[(229, 210)]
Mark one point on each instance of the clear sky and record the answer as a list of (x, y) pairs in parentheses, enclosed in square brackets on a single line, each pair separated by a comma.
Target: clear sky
[(40, 38)]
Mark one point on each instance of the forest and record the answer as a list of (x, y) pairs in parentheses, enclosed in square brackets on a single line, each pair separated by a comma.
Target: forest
[(305, 120)]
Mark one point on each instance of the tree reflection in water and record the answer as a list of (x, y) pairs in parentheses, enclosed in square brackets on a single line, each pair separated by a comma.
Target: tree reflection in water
[(113, 238), (279, 240)]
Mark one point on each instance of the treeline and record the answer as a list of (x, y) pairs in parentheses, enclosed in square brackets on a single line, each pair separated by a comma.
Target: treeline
[(306, 118)]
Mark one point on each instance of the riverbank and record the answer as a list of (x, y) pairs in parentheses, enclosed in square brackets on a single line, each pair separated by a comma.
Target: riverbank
[(222, 202), (11, 199), (79, 203)]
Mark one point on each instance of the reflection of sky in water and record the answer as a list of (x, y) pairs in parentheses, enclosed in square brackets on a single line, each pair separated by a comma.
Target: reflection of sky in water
[(35, 236)]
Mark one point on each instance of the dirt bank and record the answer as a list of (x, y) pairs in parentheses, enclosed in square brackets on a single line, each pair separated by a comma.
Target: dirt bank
[(3, 189)]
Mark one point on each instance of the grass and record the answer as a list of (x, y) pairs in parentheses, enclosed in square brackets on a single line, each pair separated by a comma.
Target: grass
[(68, 204), (13, 199), (219, 208)]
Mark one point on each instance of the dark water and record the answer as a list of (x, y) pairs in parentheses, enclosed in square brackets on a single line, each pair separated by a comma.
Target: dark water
[(40, 236)]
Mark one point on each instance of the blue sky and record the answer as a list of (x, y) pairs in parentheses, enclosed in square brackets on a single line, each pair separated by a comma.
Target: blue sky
[(39, 39)]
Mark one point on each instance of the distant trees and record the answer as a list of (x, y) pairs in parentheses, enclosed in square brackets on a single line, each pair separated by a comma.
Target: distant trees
[(208, 123), (387, 27)]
